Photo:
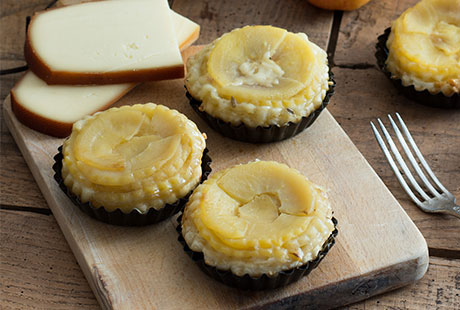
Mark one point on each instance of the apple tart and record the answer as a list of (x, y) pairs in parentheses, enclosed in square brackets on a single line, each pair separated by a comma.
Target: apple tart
[(257, 226), (422, 52), (133, 165), (259, 83)]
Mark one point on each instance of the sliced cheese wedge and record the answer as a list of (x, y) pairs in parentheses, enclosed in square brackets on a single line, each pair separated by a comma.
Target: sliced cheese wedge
[(104, 42), (52, 109), (186, 30)]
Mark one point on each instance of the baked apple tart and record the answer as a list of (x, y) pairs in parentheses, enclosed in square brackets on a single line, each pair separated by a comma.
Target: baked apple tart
[(261, 224), (259, 83), (134, 159)]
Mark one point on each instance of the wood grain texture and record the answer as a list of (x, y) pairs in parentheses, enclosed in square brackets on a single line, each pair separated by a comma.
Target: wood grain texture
[(12, 32), (218, 17), (438, 289), (17, 187), (13, 25), (39, 271), (37, 267), (364, 95), (15, 178), (359, 30)]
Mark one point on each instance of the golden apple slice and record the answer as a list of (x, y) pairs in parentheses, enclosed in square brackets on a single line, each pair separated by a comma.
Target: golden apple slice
[(156, 153), (262, 209), (96, 141), (260, 62), (218, 213)]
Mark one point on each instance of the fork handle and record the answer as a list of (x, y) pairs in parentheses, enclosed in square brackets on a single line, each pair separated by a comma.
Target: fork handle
[(454, 210)]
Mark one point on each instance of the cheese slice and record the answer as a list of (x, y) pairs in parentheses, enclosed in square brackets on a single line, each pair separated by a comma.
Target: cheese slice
[(52, 109), (186, 30), (104, 42)]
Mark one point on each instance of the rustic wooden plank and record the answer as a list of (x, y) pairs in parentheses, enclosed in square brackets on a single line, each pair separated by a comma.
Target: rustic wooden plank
[(218, 17), (12, 29), (13, 24), (360, 28), (37, 267), (18, 188), (39, 271), (7, 81), (364, 95), (15, 176), (13, 15), (438, 289)]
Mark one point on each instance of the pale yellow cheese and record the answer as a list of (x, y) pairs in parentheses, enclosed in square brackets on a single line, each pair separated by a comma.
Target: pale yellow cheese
[(186, 30), (64, 103), (69, 103), (131, 35)]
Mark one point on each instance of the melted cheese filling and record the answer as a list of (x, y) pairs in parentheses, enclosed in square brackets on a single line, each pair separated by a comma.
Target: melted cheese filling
[(265, 72)]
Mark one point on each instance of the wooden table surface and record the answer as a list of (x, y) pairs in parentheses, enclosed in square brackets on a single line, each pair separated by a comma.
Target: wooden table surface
[(37, 267)]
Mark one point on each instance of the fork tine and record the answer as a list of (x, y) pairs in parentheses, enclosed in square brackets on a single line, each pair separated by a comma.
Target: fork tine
[(420, 156), (401, 162), (412, 160), (393, 166)]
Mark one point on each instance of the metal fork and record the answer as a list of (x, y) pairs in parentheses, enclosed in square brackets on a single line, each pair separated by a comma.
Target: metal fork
[(441, 200)]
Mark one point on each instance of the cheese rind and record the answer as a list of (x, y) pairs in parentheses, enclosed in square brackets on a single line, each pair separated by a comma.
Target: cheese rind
[(104, 42), (186, 30), (52, 109)]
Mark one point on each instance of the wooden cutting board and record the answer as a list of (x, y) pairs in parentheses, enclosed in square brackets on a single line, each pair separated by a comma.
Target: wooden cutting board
[(378, 248)]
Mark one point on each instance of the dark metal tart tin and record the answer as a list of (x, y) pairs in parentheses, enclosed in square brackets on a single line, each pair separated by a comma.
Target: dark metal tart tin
[(264, 282), (438, 100), (134, 218), (261, 134)]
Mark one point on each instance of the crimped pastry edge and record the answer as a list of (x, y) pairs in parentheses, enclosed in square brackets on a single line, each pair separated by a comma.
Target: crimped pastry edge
[(264, 281), (259, 134), (424, 97), (135, 217)]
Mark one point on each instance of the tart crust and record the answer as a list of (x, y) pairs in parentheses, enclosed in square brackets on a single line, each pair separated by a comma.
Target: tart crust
[(141, 180), (280, 112), (264, 282), (219, 221), (424, 97), (426, 58)]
